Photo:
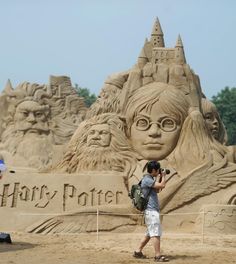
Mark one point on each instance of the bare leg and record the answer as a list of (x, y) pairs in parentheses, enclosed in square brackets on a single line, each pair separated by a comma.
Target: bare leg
[(156, 241), (143, 243)]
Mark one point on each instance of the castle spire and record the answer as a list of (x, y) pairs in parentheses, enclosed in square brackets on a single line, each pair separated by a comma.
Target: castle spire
[(8, 87), (142, 54), (157, 38), (142, 58), (179, 51), (179, 42)]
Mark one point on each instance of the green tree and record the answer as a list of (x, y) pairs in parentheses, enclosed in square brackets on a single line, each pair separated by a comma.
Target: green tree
[(89, 98), (225, 102)]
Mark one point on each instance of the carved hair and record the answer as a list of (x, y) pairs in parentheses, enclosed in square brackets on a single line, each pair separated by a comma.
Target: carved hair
[(209, 107), (171, 100), (196, 137), (117, 157), (108, 100), (72, 98)]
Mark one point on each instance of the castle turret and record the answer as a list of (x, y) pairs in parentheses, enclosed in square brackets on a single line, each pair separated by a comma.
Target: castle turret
[(157, 36), (179, 51), (143, 59)]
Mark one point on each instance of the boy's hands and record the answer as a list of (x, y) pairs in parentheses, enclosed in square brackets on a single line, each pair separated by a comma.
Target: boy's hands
[(160, 182)]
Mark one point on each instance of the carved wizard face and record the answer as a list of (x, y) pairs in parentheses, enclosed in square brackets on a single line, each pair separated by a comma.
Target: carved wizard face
[(74, 107), (155, 134), (99, 136), (31, 117)]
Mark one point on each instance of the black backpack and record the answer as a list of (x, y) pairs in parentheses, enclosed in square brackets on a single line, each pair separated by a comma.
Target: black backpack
[(138, 199)]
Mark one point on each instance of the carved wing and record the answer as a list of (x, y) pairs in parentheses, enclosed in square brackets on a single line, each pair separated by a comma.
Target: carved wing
[(64, 223), (86, 221), (201, 182)]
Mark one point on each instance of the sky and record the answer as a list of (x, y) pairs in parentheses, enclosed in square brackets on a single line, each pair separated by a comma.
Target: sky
[(88, 40)]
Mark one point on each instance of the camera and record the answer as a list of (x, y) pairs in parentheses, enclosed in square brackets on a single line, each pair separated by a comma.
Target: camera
[(166, 171), (162, 171)]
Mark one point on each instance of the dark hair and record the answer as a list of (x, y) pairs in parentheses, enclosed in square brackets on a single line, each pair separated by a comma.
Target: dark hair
[(153, 164)]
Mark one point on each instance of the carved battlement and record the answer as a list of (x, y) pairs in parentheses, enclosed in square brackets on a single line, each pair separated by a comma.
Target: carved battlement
[(155, 51), (163, 55)]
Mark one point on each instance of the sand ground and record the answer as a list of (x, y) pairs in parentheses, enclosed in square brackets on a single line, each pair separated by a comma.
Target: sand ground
[(114, 248)]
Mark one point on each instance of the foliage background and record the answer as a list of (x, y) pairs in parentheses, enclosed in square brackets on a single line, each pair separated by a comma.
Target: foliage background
[(225, 102), (89, 98)]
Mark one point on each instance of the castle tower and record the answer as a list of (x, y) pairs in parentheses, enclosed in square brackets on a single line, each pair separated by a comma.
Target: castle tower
[(179, 51), (145, 53), (142, 59), (157, 36)]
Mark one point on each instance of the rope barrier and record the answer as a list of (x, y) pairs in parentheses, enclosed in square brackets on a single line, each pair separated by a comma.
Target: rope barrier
[(123, 214)]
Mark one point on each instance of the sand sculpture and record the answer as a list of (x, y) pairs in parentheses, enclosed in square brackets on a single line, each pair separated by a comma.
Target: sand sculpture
[(155, 110), (213, 121), (165, 114), (216, 127), (43, 115), (99, 144)]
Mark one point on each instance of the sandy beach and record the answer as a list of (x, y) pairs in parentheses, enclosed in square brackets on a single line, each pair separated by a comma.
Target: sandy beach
[(114, 248)]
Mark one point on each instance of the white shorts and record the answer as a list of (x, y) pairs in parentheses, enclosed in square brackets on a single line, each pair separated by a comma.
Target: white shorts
[(152, 221)]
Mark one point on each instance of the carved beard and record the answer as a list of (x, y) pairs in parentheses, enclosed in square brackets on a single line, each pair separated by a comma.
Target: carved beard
[(100, 159), (34, 150)]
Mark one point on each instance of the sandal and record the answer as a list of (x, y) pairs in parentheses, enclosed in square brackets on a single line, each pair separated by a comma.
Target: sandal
[(139, 255), (161, 258)]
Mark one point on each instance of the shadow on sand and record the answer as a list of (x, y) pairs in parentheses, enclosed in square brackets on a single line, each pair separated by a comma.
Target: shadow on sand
[(183, 257), (6, 247)]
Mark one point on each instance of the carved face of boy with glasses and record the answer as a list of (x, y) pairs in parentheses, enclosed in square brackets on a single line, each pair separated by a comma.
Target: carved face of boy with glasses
[(155, 114)]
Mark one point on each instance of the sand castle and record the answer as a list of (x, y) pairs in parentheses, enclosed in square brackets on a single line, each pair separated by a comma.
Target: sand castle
[(37, 120), (155, 110)]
